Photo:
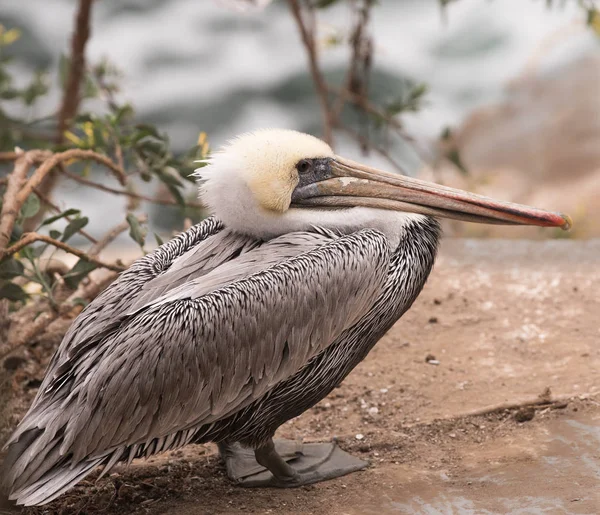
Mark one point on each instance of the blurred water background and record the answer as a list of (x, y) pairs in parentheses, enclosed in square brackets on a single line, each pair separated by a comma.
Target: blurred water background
[(191, 66)]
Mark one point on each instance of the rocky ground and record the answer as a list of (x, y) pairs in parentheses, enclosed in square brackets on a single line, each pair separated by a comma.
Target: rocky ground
[(484, 398)]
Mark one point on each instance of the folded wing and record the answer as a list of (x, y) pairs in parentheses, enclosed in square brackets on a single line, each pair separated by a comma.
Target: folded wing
[(201, 351)]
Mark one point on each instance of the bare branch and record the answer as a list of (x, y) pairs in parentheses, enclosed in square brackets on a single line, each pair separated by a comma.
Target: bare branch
[(11, 205), (356, 81), (108, 189), (61, 157), (71, 93), (57, 209), (70, 99), (8, 156), (308, 40), (367, 143), (32, 237), (559, 402), (364, 104), (110, 236)]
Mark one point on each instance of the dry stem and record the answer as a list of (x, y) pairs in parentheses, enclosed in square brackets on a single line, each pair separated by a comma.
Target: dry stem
[(61, 157), (55, 208), (108, 189), (71, 93), (8, 156), (32, 237), (110, 236), (71, 96), (308, 40), (11, 205)]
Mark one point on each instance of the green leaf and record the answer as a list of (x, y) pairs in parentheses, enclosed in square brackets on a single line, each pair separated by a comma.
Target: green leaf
[(98, 137), (159, 240), (68, 212), (55, 234), (169, 175), (79, 271), (176, 194), (38, 250), (12, 291), (9, 94), (146, 130), (454, 157), (64, 65), (74, 226), (322, 4), (27, 253), (31, 206), (37, 88), (11, 268), (123, 112), (84, 117), (17, 232), (78, 301), (136, 231)]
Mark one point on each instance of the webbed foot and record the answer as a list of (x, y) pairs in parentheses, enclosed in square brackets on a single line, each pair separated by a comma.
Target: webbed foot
[(287, 464)]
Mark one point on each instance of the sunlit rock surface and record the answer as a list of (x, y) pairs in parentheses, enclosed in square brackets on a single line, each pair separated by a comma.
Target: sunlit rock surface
[(540, 146)]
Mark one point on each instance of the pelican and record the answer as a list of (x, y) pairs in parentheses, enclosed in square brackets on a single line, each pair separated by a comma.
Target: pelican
[(244, 321)]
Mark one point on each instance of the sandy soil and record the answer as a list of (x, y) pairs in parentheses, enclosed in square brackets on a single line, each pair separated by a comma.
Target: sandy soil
[(498, 322)]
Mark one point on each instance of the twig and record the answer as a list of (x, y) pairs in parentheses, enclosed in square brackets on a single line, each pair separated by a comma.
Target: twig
[(71, 93), (70, 99), (11, 205), (308, 39), (32, 237), (61, 157), (525, 403), (108, 189), (364, 141), (364, 104), (110, 236), (361, 56), (57, 209), (8, 156)]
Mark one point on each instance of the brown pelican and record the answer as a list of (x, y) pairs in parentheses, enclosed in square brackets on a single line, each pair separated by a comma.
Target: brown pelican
[(244, 321)]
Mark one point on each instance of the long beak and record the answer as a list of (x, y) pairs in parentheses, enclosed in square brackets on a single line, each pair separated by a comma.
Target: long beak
[(353, 184)]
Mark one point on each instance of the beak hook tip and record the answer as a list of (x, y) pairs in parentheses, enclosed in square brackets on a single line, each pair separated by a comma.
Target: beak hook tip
[(568, 222)]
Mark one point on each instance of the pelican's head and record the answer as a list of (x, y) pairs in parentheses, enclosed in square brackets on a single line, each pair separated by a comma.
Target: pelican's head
[(273, 181)]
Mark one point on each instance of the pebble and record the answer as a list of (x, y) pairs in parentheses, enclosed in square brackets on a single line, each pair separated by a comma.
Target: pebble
[(359, 436), (373, 410), (430, 358)]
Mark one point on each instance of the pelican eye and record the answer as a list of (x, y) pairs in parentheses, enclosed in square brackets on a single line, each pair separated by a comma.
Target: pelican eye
[(304, 166)]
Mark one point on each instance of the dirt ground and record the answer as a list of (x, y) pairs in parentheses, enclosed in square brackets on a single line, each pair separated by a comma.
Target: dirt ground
[(499, 323)]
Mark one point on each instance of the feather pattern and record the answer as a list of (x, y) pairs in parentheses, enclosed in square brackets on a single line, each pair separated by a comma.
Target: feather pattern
[(215, 336)]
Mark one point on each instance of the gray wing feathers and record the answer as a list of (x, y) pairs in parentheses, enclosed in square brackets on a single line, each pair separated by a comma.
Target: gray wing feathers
[(195, 264), (201, 351), (269, 254), (208, 357), (121, 294), (94, 320)]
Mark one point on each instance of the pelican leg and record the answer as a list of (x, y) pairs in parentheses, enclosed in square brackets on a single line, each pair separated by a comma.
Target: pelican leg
[(315, 462), (241, 463)]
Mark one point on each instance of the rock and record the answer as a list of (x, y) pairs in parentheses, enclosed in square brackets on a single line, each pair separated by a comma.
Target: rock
[(12, 363), (525, 414), (535, 148)]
